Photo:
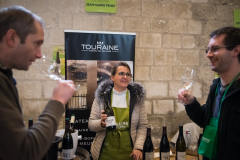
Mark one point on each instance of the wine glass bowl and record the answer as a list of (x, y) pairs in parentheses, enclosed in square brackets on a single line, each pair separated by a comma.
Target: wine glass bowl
[(51, 69), (188, 78)]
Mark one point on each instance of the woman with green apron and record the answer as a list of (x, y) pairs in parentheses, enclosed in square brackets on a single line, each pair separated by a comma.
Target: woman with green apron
[(127, 101), (117, 144)]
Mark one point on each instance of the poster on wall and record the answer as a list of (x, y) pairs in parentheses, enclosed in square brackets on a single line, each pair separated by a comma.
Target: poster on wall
[(105, 6), (89, 59), (237, 18)]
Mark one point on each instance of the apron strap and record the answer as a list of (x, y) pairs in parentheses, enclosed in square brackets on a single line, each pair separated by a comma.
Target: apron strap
[(225, 92), (117, 133)]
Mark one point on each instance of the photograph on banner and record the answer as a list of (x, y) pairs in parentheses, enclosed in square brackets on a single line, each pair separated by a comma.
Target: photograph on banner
[(61, 51), (77, 71)]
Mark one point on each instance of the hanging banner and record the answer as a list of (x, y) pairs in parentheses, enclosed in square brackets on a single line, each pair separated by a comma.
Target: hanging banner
[(89, 59), (237, 18), (106, 6)]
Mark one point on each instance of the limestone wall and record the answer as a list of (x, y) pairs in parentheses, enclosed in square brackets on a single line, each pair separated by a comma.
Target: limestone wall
[(171, 35)]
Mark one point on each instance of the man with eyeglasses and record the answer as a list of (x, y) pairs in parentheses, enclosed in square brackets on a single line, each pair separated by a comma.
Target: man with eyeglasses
[(224, 97)]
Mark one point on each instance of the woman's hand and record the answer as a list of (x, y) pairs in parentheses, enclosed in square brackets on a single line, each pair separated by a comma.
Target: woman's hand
[(137, 154), (103, 117)]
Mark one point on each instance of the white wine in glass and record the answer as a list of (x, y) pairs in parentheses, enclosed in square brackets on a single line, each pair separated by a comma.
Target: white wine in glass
[(188, 78)]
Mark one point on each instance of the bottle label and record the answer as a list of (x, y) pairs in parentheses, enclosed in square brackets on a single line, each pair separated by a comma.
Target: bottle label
[(67, 154), (181, 155), (149, 156), (165, 155), (72, 119), (110, 121)]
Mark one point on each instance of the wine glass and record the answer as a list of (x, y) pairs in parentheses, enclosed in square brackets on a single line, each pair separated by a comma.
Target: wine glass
[(51, 69), (188, 78)]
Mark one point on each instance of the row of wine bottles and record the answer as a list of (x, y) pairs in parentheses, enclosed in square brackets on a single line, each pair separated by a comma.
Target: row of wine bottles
[(164, 147)]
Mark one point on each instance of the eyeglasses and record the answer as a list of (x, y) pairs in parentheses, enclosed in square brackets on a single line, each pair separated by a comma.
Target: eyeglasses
[(214, 49), (122, 74)]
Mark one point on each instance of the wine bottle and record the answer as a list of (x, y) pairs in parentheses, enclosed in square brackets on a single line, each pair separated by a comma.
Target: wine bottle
[(148, 146), (180, 146), (110, 121), (72, 123), (67, 142), (30, 123), (58, 58), (164, 152), (200, 157), (58, 65)]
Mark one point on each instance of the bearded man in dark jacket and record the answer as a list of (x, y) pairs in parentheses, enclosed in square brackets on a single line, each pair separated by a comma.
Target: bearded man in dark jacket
[(224, 54)]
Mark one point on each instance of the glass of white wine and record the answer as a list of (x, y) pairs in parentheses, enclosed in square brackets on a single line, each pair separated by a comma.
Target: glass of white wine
[(188, 78), (51, 69)]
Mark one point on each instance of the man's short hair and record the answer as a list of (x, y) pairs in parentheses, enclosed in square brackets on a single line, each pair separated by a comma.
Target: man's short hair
[(232, 38), (19, 19)]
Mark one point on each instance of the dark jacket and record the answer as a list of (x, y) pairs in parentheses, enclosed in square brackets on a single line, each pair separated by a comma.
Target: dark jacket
[(18, 142), (229, 120)]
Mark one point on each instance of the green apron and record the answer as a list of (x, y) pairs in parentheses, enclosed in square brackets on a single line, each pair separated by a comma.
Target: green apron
[(208, 144), (117, 144)]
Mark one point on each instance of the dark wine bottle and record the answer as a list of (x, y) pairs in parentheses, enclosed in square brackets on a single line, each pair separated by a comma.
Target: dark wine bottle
[(148, 146), (58, 58), (72, 123), (67, 142), (164, 152), (180, 146), (200, 157), (30, 123), (58, 65), (110, 121)]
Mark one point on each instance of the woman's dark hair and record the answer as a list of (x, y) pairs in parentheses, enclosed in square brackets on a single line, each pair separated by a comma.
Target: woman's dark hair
[(232, 38), (19, 19), (114, 69)]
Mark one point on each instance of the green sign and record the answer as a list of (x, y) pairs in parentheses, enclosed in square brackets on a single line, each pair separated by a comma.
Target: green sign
[(237, 18), (107, 6)]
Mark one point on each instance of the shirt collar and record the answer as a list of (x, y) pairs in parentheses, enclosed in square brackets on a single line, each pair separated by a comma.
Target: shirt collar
[(119, 93)]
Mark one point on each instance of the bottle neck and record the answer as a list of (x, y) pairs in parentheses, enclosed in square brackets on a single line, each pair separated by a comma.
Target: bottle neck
[(57, 58), (148, 132), (164, 130), (180, 130), (67, 125)]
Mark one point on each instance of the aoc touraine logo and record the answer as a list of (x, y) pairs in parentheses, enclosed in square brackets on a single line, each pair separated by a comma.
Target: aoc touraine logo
[(99, 47)]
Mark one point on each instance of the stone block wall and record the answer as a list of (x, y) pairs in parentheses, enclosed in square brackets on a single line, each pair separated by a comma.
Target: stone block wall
[(171, 35)]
